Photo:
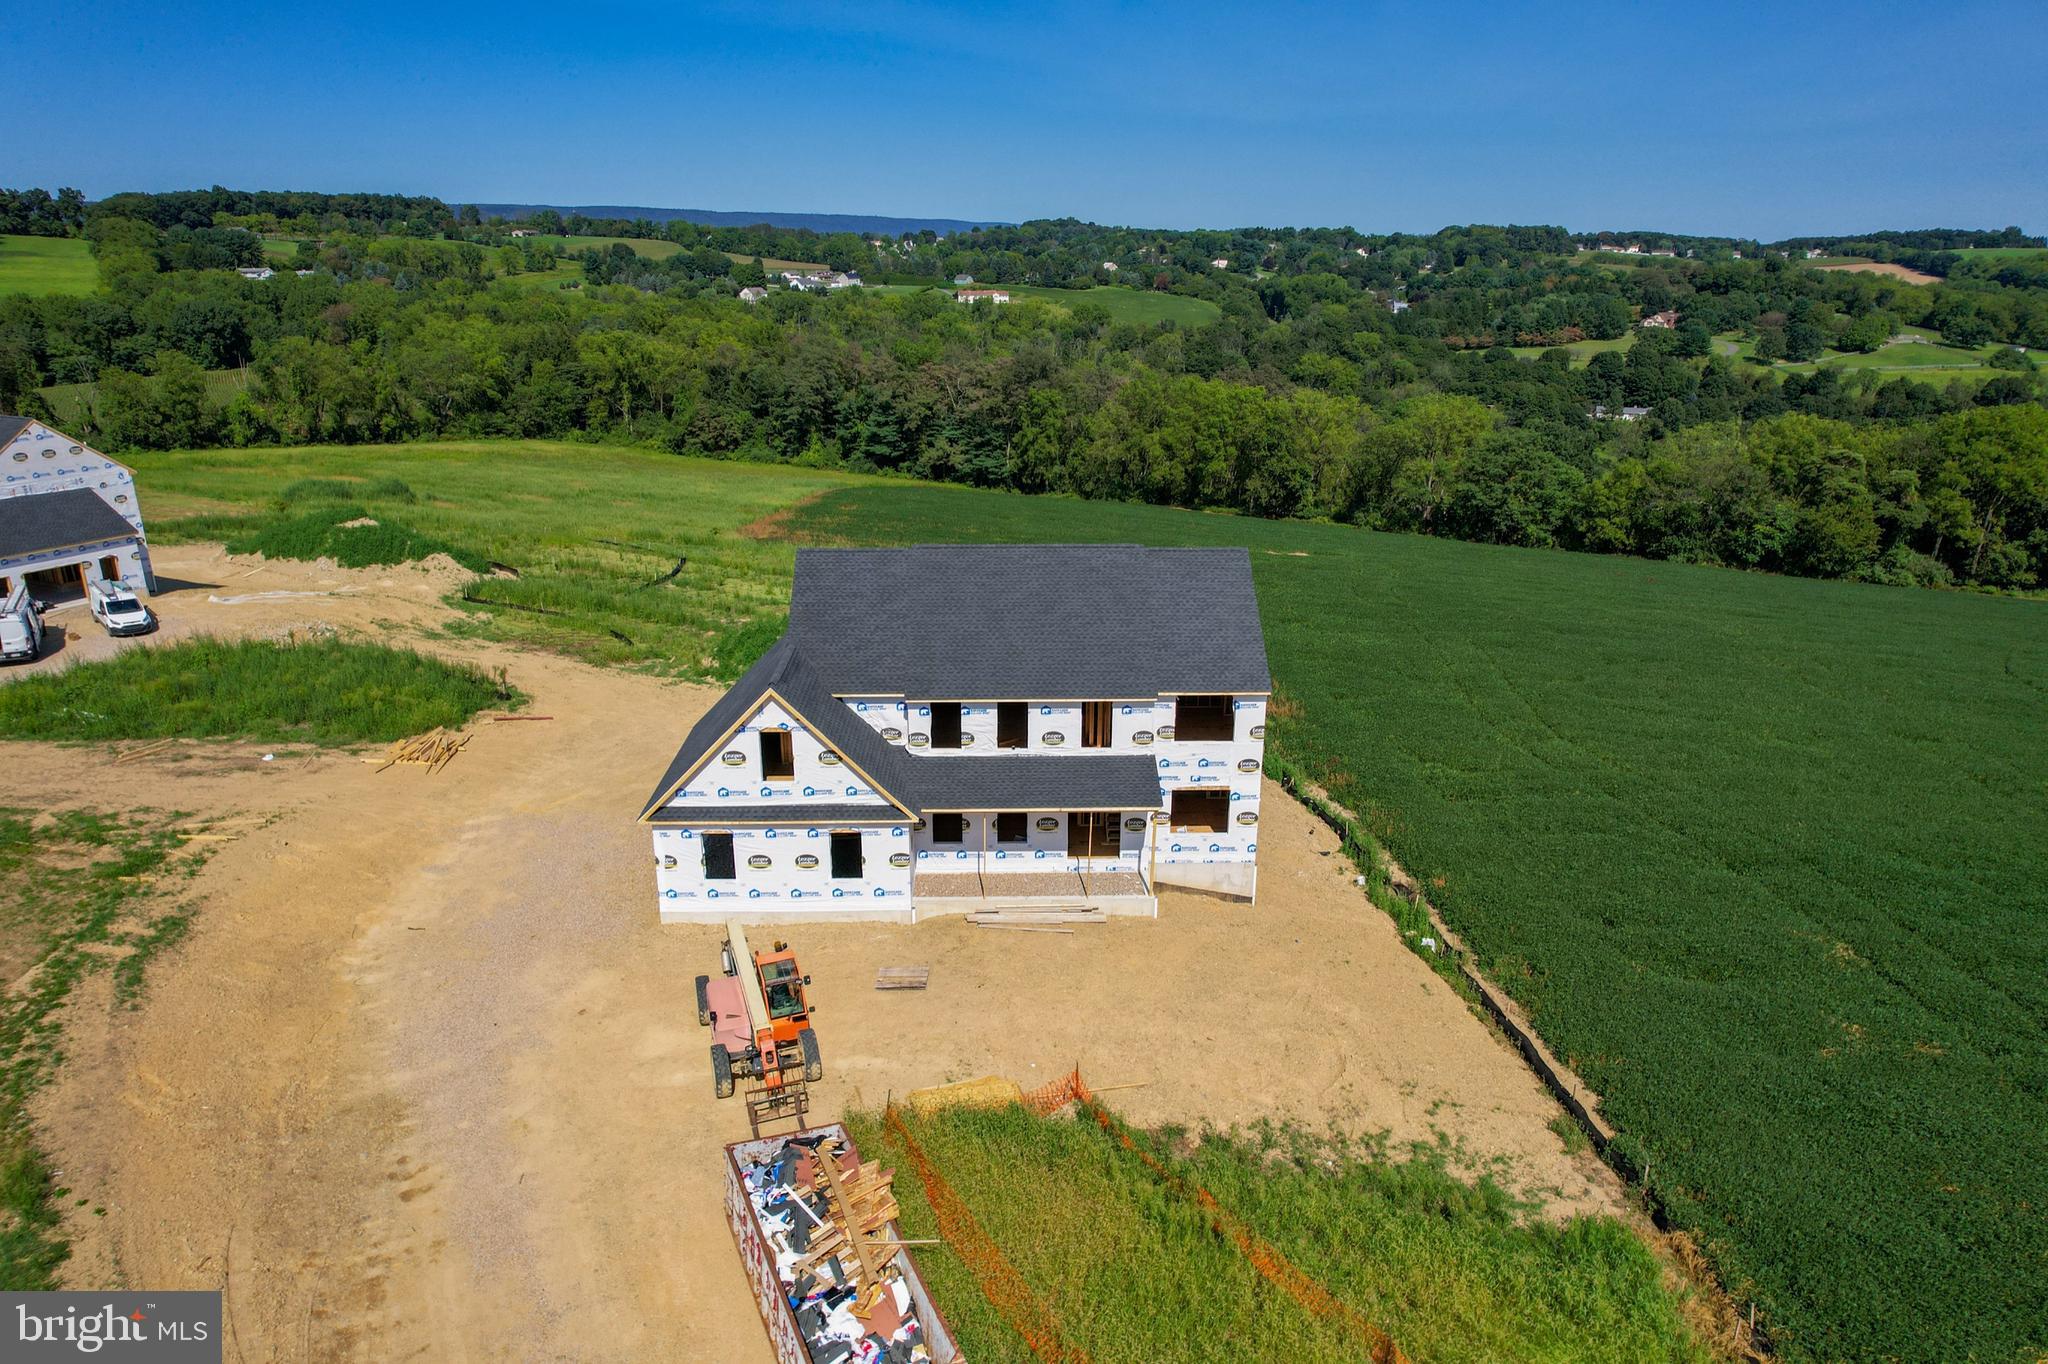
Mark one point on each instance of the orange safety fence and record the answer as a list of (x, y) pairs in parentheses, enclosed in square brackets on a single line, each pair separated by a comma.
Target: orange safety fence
[(1265, 1257), (998, 1279)]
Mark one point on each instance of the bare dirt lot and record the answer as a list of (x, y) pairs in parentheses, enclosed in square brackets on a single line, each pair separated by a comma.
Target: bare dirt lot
[(425, 1081)]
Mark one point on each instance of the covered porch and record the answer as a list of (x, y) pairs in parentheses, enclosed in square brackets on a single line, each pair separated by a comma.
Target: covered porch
[(1112, 890)]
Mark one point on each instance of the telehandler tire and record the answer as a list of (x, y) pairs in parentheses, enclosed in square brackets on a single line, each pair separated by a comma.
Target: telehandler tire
[(721, 1071), (814, 1065)]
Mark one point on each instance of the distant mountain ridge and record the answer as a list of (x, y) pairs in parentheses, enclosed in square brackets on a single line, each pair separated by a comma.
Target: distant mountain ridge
[(865, 224)]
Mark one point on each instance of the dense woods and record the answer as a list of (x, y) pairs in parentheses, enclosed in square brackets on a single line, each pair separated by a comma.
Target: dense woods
[(1310, 396)]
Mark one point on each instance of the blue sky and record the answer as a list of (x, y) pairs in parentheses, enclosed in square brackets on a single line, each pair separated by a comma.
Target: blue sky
[(1764, 120)]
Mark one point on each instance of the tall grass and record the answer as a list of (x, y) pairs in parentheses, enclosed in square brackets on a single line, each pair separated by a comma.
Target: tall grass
[(592, 531), (1132, 1271), (349, 535), (322, 691)]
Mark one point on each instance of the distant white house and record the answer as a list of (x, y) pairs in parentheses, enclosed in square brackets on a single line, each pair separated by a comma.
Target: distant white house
[(812, 281), (1602, 412), (977, 295), (255, 272), (1813, 253), (1221, 262), (1361, 252), (1666, 319), (523, 232), (1110, 266), (1397, 305), (753, 294), (962, 281)]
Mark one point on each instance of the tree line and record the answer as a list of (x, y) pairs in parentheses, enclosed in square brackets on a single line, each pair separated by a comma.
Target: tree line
[(1307, 397)]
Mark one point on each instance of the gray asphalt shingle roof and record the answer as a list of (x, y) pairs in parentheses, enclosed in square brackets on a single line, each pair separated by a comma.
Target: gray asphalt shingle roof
[(994, 622), (33, 522), (1030, 622), (1029, 781), (10, 427)]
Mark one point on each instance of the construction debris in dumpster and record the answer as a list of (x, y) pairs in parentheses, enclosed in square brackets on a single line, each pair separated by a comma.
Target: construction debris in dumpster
[(826, 1217)]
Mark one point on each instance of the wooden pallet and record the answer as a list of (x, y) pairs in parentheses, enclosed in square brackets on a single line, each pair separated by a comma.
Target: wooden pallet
[(902, 977)]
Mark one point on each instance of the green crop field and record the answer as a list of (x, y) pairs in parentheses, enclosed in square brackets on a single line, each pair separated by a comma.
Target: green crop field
[(590, 530), (1763, 857), (1129, 1271), (46, 265)]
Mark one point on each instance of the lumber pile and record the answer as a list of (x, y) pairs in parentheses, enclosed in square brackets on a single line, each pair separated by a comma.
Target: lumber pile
[(433, 750), (148, 750), (1039, 919), (902, 977)]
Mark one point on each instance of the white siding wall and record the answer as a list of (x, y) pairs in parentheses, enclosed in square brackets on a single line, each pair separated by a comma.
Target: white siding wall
[(1215, 860), (1046, 849), (733, 776), (783, 868), (1224, 860)]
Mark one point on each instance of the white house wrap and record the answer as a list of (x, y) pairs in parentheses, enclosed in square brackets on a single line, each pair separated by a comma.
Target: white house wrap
[(68, 515), (947, 725)]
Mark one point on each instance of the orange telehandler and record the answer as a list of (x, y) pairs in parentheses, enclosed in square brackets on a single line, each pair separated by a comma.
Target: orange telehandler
[(759, 1019)]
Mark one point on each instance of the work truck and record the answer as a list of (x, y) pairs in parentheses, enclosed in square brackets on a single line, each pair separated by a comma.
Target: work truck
[(21, 627)]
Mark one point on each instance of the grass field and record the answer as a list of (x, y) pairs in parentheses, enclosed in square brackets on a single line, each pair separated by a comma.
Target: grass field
[(322, 691), (662, 249), (1930, 360), (69, 402), (592, 531), (1582, 351), (47, 265), (2004, 253), (1130, 1272), (651, 248), (1762, 855), (80, 892), (1141, 306)]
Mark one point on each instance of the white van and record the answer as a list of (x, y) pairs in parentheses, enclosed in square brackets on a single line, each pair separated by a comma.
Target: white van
[(114, 606), (21, 627)]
